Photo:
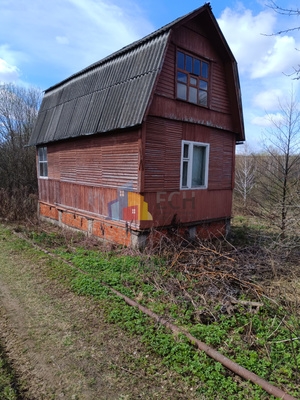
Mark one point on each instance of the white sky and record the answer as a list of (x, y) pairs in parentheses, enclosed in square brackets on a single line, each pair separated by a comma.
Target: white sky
[(43, 42)]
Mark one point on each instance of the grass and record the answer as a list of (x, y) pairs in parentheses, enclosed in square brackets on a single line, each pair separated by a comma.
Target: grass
[(265, 341), (7, 379)]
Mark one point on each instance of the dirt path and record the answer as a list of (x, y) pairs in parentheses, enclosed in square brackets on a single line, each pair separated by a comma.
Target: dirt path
[(59, 344)]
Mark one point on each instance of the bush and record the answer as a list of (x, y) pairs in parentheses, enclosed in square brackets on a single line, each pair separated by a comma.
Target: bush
[(17, 204)]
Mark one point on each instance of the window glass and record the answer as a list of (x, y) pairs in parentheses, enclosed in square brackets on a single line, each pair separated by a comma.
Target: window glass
[(181, 77), (193, 95), (180, 60), (43, 169), (196, 67), (198, 167), (202, 85), (185, 151), (204, 71), (203, 98), (42, 154), (193, 81), (181, 91), (189, 64), (184, 174)]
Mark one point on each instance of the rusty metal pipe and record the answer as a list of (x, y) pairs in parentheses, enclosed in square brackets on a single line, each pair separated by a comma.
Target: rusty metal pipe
[(233, 366)]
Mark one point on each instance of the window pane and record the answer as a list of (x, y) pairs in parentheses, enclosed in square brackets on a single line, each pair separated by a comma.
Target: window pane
[(204, 71), (193, 81), (203, 85), (181, 77), (184, 174), (41, 169), (189, 64), (193, 92), (181, 91), (41, 154), (198, 168), (202, 98), (196, 67), (180, 60), (185, 151), (45, 169)]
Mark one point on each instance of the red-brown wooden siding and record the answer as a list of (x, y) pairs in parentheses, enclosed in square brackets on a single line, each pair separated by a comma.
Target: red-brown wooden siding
[(85, 174), (162, 173), (187, 206), (218, 113), (162, 155)]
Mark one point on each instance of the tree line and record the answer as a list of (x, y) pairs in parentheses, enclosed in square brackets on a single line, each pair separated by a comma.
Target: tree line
[(19, 107), (268, 181)]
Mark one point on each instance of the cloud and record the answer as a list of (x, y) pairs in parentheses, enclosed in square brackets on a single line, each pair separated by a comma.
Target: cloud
[(258, 51), (267, 120), (268, 100), (77, 33), (265, 61), (8, 73), (279, 58)]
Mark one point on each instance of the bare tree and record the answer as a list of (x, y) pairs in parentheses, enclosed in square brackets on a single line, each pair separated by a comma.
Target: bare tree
[(244, 175), (18, 112), (287, 12), (279, 168)]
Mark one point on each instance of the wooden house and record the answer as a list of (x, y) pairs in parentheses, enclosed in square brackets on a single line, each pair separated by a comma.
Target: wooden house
[(144, 139)]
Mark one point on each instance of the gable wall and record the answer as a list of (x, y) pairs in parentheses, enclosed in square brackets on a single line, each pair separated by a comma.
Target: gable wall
[(164, 103), (170, 121)]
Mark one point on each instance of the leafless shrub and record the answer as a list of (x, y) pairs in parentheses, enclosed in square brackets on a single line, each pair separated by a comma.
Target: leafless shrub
[(211, 276), (18, 204)]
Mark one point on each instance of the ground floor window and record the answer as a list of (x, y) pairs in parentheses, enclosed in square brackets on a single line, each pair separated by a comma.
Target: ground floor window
[(194, 165), (43, 161)]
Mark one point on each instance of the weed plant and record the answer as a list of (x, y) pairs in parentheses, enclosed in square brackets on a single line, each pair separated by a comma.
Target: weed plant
[(266, 340)]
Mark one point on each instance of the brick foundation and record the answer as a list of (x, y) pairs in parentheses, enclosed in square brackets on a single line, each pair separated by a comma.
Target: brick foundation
[(117, 232)]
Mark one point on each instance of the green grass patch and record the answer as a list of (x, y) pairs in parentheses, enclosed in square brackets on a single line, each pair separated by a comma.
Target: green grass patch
[(266, 342), (8, 389)]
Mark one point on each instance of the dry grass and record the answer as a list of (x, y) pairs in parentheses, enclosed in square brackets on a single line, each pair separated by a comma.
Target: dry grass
[(17, 204)]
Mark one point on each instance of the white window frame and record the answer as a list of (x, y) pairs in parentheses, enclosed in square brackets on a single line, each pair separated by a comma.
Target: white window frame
[(43, 162), (188, 160)]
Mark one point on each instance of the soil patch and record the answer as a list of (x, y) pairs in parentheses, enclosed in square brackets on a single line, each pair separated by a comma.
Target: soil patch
[(59, 343)]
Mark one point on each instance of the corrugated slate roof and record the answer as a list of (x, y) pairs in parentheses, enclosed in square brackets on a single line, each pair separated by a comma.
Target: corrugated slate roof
[(113, 93)]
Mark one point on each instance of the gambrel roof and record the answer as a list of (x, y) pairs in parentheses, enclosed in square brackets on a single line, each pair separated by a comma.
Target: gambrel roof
[(115, 92)]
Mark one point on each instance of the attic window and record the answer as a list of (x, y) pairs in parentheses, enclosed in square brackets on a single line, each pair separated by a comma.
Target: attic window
[(192, 79), (43, 162)]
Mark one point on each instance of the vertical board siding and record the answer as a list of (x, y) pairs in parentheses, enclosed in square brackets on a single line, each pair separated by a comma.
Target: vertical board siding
[(163, 154), (219, 90), (221, 161), (188, 40), (163, 145), (166, 82), (173, 135)]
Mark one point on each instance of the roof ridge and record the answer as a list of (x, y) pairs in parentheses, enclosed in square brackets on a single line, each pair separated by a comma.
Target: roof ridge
[(128, 47)]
